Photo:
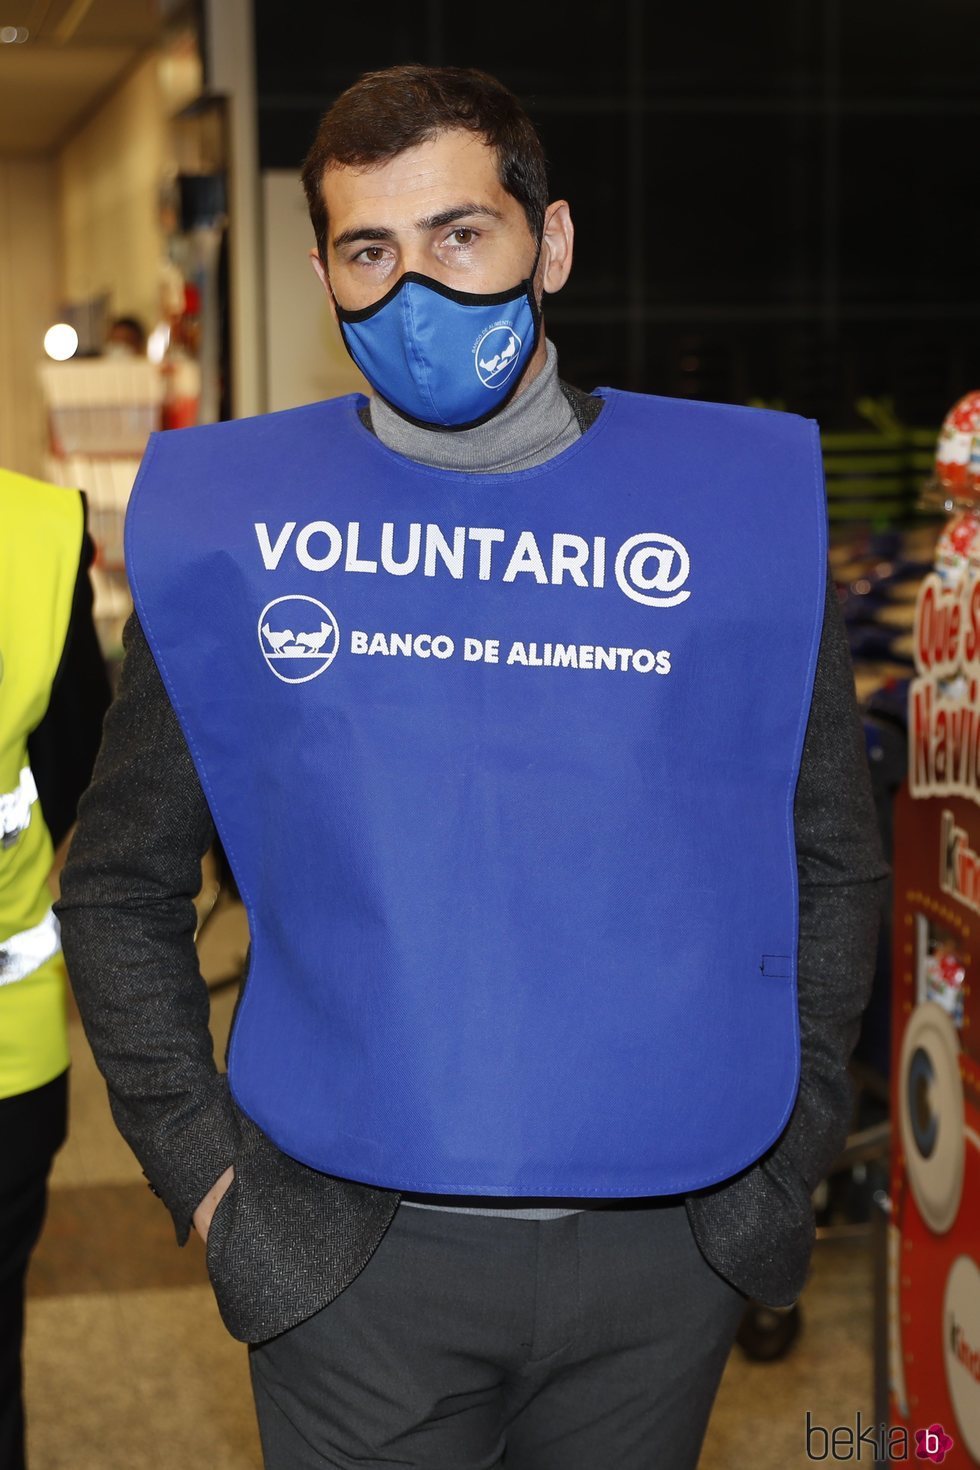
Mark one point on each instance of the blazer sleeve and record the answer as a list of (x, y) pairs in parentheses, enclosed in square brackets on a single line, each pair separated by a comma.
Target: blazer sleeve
[(842, 885), (128, 922), (757, 1228)]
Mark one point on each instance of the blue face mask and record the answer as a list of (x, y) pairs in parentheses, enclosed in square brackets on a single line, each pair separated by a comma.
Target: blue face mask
[(441, 358)]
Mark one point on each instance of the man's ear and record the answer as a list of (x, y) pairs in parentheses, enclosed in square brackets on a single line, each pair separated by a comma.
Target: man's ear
[(324, 279), (556, 246)]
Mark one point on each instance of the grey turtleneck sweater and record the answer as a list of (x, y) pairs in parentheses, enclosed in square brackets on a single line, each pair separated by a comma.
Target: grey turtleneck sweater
[(536, 425)]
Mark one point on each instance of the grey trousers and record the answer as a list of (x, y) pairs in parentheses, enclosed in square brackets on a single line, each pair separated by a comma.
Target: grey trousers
[(592, 1342)]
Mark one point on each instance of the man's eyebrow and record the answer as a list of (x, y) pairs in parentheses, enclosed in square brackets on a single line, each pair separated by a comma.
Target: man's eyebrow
[(368, 232), (458, 211), (430, 222)]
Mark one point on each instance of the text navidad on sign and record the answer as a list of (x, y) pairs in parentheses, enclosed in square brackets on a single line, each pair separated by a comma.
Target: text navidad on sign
[(944, 708)]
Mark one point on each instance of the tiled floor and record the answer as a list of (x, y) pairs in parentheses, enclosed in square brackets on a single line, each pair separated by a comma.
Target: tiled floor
[(129, 1367)]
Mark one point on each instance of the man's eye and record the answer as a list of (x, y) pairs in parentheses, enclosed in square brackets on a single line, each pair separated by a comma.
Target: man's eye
[(464, 235), (373, 253)]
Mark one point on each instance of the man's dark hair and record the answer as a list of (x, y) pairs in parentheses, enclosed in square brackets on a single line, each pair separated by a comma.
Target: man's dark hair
[(385, 112)]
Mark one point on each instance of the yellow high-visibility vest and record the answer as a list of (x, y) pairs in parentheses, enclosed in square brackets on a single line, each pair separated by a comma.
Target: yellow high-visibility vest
[(40, 545)]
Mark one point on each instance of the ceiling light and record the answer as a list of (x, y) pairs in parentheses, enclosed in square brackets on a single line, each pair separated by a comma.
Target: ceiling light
[(61, 341)]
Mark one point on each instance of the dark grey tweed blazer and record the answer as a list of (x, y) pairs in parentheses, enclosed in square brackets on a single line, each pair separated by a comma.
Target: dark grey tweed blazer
[(286, 1239)]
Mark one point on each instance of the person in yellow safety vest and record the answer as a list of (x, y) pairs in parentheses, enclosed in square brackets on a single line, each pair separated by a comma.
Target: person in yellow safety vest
[(53, 694)]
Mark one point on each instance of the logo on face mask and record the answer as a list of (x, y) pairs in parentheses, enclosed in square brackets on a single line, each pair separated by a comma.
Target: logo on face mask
[(299, 638), (496, 355)]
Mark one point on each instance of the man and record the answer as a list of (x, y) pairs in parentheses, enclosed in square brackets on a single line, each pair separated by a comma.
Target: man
[(53, 694), (496, 692)]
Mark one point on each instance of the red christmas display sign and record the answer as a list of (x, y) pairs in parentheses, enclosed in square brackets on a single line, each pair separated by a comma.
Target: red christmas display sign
[(934, 1233)]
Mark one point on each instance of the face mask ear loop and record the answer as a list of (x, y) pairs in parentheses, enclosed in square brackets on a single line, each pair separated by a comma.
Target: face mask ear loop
[(326, 277), (348, 348), (339, 320), (537, 316), (534, 271)]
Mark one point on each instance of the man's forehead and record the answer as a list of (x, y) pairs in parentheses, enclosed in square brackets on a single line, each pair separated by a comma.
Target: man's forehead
[(416, 183)]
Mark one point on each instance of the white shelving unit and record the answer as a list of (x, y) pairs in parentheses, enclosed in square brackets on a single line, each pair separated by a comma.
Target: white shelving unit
[(100, 415)]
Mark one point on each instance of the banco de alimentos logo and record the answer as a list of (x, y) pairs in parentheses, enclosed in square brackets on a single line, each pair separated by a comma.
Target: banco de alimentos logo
[(299, 637), (495, 355)]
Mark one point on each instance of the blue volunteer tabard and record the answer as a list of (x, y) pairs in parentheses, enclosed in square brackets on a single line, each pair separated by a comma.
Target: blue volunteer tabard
[(504, 766)]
